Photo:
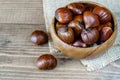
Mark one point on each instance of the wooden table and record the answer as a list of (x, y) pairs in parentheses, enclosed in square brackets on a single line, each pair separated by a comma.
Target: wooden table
[(18, 55)]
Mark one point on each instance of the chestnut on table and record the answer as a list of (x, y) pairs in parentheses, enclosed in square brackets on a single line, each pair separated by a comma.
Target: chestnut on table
[(90, 23), (39, 37), (46, 61)]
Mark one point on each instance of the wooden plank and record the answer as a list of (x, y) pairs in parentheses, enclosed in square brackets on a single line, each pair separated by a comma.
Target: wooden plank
[(21, 11), (15, 40), (70, 72)]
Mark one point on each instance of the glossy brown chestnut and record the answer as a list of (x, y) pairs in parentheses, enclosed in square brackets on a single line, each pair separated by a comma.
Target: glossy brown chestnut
[(79, 43), (46, 61), (89, 8), (90, 19), (39, 37), (108, 24), (90, 36), (76, 26), (63, 15), (60, 25), (66, 34), (76, 8), (103, 13), (105, 34), (79, 18)]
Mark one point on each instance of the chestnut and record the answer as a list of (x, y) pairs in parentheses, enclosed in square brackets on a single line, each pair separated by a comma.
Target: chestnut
[(39, 37), (79, 43), (76, 8), (63, 15), (79, 18), (103, 13), (89, 8), (60, 25), (90, 19), (66, 34), (46, 61), (105, 34), (90, 36), (108, 24), (76, 26)]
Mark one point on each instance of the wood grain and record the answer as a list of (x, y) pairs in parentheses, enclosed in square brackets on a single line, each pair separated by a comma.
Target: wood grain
[(18, 55), (21, 11)]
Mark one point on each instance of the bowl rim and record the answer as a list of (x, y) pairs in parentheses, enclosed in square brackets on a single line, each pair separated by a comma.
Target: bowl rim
[(92, 3)]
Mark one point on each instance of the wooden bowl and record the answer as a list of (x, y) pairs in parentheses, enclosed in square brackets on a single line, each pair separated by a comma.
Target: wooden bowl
[(77, 52)]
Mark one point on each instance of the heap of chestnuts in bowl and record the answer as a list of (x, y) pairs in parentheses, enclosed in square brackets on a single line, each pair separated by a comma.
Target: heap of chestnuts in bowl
[(83, 29)]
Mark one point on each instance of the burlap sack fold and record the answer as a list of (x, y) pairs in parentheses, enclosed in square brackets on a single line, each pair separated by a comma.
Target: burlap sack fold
[(94, 63)]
